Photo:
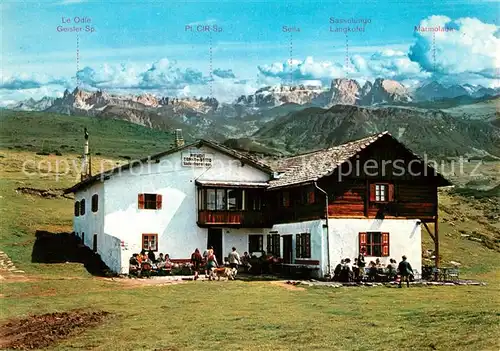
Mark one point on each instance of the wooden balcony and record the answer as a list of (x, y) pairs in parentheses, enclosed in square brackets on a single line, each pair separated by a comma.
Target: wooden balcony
[(240, 219)]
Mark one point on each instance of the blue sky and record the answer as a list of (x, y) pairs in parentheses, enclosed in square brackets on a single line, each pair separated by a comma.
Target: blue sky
[(143, 46)]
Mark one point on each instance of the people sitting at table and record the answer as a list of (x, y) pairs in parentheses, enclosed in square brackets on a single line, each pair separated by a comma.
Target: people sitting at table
[(392, 269), (167, 262), (372, 271), (356, 271), (346, 272), (151, 256), (134, 265), (245, 261), (337, 270)]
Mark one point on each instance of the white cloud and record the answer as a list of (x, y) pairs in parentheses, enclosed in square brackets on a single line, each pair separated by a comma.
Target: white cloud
[(471, 47), (299, 70)]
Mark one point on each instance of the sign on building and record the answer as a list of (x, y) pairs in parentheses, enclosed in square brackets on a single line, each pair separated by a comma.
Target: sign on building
[(197, 159)]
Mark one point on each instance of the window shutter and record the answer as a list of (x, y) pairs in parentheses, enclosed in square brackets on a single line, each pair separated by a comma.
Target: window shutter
[(269, 247), (362, 241), (311, 198), (141, 201), (372, 192), (298, 243), (385, 244), (390, 192), (307, 245), (277, 248), (158, 201)]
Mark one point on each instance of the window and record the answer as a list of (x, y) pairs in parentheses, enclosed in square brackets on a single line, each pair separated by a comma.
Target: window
[(94, 243), (220, 199), (150, 201), (211, 193), (285, 199), (95, 202), (77, 208), (375, 243), (253, 200), (311, 197), (273, 245), (82, 207), (308, 195), (303, 245), (150, 242), (234, 199), (255, 243), (381, 192)]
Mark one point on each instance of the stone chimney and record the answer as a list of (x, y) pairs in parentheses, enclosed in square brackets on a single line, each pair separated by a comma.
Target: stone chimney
[(179, 140)]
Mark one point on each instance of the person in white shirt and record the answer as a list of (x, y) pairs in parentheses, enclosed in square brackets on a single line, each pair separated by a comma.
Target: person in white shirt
[(234, 258)]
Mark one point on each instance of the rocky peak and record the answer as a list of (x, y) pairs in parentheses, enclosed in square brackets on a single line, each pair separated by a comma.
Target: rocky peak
[(384, 91), (271, 96), (343, 91)]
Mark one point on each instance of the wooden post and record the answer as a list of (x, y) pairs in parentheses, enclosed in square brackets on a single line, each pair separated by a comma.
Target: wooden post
[(367, 197), (436, 241), (436, 231)]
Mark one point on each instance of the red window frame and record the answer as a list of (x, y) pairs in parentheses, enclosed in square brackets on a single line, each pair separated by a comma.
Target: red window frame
[(388, 192), (146, 241), (372, 246), (149, 201)]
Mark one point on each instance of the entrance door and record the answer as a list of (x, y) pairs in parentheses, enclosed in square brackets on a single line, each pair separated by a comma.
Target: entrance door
[(287, 248), (215, 240)]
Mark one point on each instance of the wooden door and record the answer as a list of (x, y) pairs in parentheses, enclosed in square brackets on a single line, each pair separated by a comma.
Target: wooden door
[(215, 240), (287, 248)]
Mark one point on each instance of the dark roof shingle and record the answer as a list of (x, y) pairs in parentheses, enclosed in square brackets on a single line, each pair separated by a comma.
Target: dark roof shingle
[(311, 166)]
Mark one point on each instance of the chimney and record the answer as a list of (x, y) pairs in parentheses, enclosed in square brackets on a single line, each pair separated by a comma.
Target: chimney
[(86, 158), (179, 140)]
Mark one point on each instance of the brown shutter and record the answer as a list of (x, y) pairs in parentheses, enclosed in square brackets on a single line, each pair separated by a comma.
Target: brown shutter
[(362, 241), (311, 198), (390, 192), (158, 201), (307, 245), (298, 249), (385, 244), (141, 201), (277, 248), (372, 192)]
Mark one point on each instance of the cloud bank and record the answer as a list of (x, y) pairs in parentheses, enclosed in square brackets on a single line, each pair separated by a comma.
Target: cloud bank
[(465, 54)]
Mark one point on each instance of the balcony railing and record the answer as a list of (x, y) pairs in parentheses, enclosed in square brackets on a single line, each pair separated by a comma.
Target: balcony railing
[(249, 219)]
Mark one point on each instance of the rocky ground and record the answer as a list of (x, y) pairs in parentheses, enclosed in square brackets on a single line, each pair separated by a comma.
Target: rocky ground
[(39, 331)]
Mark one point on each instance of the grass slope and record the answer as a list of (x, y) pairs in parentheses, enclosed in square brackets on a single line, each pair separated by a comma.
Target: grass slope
[(46, 132), (246, 315)]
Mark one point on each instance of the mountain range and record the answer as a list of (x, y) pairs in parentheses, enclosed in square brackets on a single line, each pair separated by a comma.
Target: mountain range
[(442, 120)]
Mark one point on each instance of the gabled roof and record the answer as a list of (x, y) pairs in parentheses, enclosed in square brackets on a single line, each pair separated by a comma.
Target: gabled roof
[(202, 142), (310, 167)]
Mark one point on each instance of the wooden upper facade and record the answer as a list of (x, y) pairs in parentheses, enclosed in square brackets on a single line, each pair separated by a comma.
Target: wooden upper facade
[(377, 178)]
